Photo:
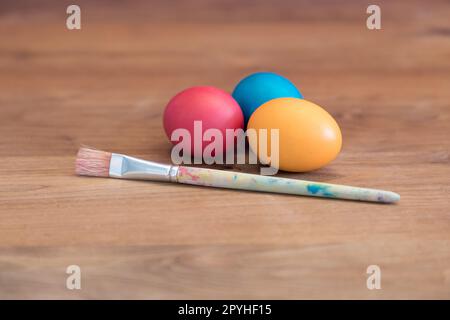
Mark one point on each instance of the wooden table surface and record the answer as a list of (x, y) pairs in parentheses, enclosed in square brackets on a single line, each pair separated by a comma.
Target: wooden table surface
[(106, 86)]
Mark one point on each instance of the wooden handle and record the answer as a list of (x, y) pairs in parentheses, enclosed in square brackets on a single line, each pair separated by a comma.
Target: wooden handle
[(245, 181)]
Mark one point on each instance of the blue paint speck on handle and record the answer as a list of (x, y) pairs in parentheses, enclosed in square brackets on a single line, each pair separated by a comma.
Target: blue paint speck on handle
[(319, 189)]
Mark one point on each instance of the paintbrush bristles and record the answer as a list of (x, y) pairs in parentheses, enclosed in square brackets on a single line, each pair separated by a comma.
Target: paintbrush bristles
[(91, 162)]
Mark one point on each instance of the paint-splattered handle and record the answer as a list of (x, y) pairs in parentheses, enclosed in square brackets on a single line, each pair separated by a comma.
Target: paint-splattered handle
[(245, 181)]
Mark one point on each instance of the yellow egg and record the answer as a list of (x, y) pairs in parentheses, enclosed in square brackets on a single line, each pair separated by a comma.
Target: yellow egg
[(309, 137)]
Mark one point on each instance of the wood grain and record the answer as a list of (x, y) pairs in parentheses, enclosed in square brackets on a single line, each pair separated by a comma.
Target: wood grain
[(106, 86)]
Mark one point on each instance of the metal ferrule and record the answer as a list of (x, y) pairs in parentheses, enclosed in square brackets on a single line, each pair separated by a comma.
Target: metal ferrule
[(126, 167)]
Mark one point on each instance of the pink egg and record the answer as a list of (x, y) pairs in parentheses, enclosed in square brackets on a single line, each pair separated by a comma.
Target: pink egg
[(215, 108)]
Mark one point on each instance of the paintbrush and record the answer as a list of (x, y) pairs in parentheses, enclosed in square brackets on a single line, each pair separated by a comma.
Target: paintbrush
[(91, 162)]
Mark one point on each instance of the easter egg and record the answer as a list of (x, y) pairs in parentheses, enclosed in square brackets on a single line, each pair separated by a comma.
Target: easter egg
[(309, 137), (214, 108), (258, 88)]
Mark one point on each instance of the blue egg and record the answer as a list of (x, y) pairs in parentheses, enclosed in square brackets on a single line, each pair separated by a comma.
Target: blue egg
[(260, 87)]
